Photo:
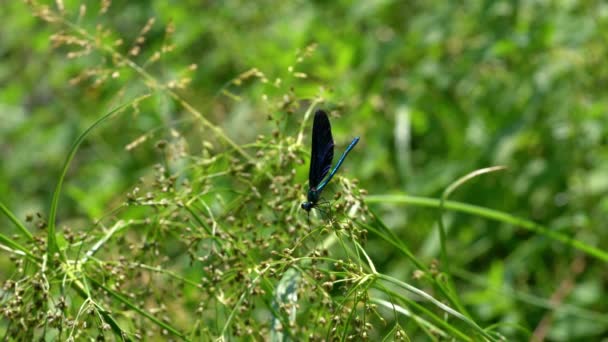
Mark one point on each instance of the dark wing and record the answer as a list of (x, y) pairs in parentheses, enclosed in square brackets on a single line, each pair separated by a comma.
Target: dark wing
[(322, 153)]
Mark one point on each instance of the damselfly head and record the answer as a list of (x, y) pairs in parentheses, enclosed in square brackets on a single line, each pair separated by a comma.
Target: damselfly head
[(307, 205)]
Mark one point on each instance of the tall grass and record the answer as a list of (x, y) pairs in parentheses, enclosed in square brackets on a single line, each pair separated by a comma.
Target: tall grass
[(210, 243)]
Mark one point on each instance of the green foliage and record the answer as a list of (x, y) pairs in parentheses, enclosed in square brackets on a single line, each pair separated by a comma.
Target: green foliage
[(154, 158)]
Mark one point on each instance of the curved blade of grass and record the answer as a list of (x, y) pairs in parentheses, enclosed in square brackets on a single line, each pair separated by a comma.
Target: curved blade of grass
[(493, 215), (445, 261), (531, 299), (437, 303), (16, 246), (450, 329), (419, 320), (448, 191), (367, 258), (11, 242), (134, 307), (82, 289), (386, 234), (113, 324), (52, 246), (16, 222)]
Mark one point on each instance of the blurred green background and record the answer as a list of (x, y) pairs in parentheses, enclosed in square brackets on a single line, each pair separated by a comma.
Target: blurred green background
[(435, 90)]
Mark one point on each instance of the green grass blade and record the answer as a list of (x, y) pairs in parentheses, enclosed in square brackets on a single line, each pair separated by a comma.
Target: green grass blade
[(493, 215), (52, 246), (16, 222), (387, 235), (134, 307), (16, 246), (445, 260), (437, 303)]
